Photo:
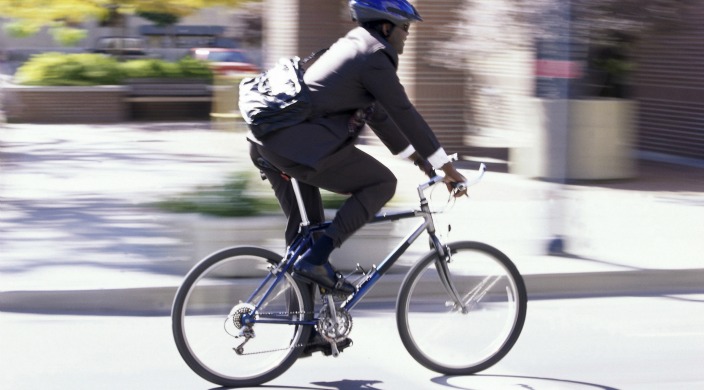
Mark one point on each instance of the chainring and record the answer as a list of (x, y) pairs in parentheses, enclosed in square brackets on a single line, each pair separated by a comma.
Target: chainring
[(327, 328)]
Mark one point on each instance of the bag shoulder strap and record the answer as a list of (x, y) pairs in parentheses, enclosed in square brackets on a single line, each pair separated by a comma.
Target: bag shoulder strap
[(312, 56)]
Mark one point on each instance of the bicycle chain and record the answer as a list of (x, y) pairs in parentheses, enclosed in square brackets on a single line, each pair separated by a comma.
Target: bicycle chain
[(276, 349), (337, 297), (271, 350)]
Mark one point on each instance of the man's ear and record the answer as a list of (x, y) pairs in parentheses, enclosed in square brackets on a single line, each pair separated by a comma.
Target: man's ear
[(386, 29)]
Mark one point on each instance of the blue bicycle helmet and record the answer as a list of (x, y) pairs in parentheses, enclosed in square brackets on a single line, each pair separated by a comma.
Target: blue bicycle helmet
[(398, 12)]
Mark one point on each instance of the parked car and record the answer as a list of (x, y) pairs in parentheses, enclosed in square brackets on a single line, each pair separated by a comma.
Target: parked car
[(122, 47), (224, 61)]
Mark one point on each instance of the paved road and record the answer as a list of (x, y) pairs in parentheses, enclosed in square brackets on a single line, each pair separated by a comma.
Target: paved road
[(636, 343)]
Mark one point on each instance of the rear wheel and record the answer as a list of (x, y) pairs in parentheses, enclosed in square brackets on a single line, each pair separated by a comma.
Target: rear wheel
[(211, 310), (466, 335)]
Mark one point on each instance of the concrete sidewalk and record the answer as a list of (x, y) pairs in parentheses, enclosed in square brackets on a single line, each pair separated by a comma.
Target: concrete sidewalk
[(76, 237)]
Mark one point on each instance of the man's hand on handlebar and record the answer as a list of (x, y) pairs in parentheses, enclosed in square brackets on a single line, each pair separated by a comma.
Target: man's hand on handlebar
[(456, 183)]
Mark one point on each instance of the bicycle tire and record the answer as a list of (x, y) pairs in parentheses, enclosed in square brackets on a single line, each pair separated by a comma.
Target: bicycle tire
[(453, 341), (204, 326)]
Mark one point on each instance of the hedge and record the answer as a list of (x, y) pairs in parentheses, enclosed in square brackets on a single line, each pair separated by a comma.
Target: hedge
[(84, 69)]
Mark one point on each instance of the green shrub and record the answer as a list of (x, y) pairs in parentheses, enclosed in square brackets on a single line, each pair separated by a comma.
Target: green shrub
[(191, 67), (69, 69), (233, 198), (153, 68), (237, 196), (68, 36), (54, 69), (145, 68), (21, 29)]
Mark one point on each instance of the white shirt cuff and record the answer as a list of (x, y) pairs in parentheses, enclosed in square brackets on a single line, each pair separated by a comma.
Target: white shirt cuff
[(439, 158), (406, 153)]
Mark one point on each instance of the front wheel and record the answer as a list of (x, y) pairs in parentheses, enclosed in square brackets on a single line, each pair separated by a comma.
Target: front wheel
[(461, 316), (211, 311)]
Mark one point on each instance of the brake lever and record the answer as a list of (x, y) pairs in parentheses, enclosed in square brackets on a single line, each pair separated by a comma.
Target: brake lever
[(461, 187), (458, 188)]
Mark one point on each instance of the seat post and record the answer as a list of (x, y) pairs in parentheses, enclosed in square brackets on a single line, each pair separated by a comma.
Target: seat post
[(299, 199)]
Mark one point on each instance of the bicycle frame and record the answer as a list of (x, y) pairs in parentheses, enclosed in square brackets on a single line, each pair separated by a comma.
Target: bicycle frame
[(304, 238), (377, 272)]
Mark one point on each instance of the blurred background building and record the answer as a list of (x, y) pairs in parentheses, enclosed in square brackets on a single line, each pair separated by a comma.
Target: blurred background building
[(472, 67)]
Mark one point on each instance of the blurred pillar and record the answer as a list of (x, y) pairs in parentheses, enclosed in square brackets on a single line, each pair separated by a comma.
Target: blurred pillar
[(301, 27), (437, 92), (557, 88)]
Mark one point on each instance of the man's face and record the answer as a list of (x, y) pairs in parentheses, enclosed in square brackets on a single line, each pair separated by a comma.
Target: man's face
[(398, 36)]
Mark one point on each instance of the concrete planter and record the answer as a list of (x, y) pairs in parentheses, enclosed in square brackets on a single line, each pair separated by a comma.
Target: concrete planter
[(203, 235), (578, 140), (95, 104), (169, 86)]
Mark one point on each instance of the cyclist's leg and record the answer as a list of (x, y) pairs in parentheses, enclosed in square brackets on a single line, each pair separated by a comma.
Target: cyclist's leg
[(370, 185), (369, 182), (286, 197), (349, 170)]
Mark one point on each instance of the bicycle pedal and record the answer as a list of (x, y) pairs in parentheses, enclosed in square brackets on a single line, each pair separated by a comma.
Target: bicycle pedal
[(335, 350), (359, 268)]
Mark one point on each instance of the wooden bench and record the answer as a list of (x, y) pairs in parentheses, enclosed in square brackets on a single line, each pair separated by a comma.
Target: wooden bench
[(169, 98)]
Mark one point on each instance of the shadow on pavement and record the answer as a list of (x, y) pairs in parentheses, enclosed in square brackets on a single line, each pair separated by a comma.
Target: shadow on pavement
[(89, 231), (517, 381)]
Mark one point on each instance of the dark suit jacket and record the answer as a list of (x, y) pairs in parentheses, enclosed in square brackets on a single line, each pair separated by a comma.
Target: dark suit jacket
[(357, 71)]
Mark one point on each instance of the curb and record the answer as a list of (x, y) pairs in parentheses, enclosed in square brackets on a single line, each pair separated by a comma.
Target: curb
[(156, 301), (619, 283)]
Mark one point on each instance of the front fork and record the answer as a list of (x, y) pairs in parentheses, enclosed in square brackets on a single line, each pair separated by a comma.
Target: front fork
[(441, 266)]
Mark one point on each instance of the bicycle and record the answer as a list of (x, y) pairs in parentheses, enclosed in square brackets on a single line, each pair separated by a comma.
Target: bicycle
[(460, 308)]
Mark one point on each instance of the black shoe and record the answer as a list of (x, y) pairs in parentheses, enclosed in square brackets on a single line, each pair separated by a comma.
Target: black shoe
[(317, 343), (324, 275)]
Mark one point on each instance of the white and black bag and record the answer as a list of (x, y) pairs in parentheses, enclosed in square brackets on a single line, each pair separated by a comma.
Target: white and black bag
[(276, 98)]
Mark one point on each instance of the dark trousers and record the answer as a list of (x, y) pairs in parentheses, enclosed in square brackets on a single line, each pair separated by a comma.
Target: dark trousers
[(369, 183)]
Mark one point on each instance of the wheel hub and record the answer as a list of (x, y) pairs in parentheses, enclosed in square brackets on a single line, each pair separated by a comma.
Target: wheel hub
[(238, 313)]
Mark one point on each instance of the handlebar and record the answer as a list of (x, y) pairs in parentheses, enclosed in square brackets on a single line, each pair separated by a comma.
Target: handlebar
[(477, 178), (459, 187)]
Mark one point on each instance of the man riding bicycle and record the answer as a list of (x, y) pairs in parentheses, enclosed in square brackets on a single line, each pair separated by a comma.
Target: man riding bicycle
[(353, 83)]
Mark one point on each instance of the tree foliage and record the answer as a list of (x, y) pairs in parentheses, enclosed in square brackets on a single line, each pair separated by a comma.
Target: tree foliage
[(160, 19), (29, 16), (598, 20), (486, 26)]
